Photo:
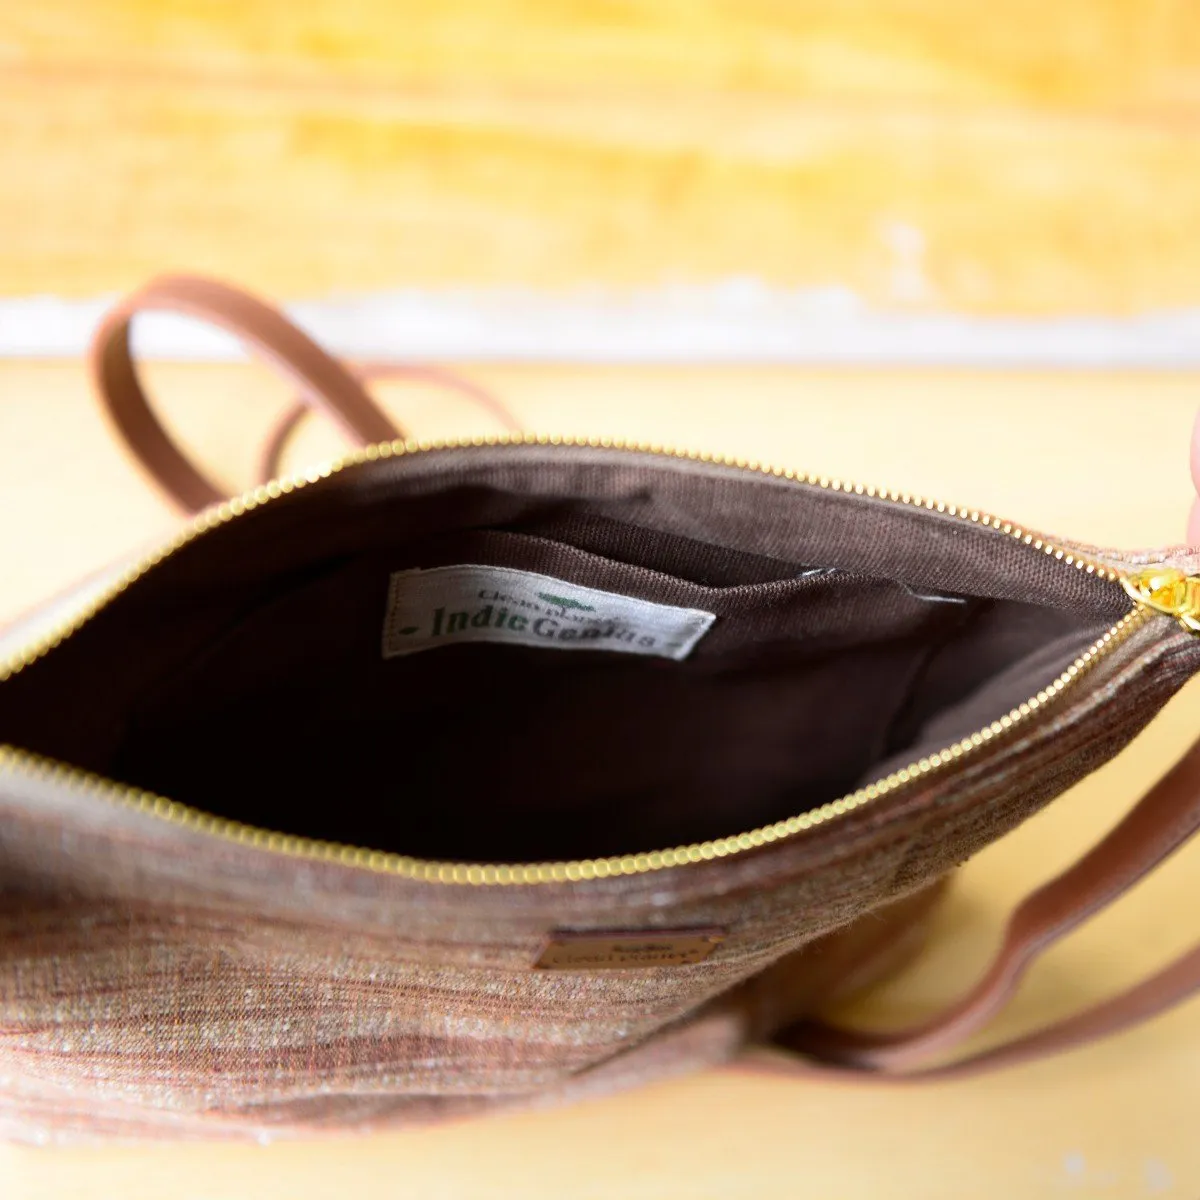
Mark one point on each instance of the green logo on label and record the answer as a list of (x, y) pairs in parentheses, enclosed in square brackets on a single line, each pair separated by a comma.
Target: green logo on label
[(563, 602)]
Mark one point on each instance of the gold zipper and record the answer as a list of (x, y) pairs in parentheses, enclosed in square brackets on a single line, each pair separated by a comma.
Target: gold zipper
[(1169, 591), (1163, 590)]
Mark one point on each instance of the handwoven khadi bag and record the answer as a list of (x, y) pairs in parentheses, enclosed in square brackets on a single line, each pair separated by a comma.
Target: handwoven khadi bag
[(504, 772)]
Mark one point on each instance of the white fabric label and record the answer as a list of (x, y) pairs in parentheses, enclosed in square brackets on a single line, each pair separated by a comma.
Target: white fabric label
[(445, 606)]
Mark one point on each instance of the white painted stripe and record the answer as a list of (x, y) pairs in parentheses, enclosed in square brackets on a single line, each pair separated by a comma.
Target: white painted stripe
[(740, 321)]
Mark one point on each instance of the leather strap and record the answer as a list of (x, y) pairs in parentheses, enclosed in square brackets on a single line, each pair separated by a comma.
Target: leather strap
[(1161, 822), (284, 428), (322, 382)]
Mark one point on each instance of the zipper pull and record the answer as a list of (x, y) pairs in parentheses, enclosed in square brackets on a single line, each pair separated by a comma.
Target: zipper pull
[(1167, 590)]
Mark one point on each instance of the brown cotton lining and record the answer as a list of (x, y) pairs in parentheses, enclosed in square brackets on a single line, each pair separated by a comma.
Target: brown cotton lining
[(244, 675)]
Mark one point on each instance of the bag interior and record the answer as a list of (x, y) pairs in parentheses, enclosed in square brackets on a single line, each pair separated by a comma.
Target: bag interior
[(244, 674)]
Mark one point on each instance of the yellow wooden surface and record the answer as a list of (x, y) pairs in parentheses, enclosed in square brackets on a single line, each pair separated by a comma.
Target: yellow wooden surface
[(1096, 457), (1023, 157)]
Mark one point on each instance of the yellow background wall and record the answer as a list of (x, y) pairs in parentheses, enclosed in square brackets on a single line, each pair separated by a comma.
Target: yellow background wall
[(1035, 157)]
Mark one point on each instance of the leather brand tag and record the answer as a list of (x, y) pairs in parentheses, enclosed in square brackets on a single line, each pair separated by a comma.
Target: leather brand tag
[(593, 951)]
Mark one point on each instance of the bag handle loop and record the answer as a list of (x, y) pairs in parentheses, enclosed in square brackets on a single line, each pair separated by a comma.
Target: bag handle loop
[(1160, 823), (323, 383)]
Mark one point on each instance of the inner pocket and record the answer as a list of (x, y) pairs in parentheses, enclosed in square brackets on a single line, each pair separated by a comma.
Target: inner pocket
[(294, 719)]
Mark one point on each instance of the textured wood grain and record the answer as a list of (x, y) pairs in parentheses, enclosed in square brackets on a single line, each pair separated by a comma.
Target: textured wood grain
[(1021, 157)]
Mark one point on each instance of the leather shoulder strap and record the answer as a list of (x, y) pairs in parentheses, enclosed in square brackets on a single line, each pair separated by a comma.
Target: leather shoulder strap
[(1161, 822), (272, 453), (322, 381)]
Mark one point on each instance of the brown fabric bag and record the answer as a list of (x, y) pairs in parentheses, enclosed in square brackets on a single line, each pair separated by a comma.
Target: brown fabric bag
[(649, 756)]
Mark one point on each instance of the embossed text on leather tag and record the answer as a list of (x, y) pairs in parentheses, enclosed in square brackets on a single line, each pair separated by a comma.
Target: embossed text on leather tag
[(569, 950)]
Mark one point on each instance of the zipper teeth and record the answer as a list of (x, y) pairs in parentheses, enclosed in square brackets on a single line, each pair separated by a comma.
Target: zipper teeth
[(18, 761)]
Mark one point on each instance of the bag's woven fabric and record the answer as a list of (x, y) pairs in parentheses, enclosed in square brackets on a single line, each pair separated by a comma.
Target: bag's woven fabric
[(157, 980)]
